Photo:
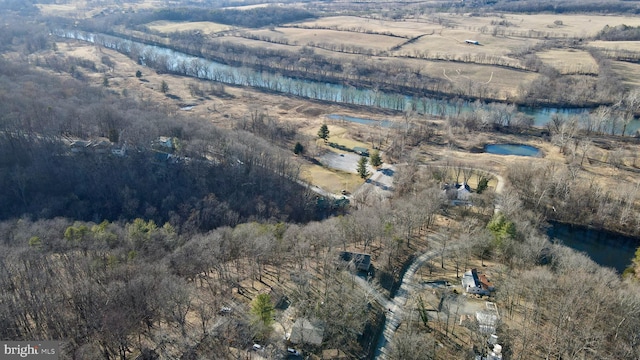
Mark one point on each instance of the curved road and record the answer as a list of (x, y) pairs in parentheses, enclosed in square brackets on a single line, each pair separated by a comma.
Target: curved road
[(397, 304)]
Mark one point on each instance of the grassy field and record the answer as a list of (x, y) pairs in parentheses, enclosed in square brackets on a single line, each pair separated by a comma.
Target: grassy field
[(340, 39), (330, 180), (352, 23), (205, 27), (452, 43), (630, 72), (524, 24), (570, 61), (616, 45)]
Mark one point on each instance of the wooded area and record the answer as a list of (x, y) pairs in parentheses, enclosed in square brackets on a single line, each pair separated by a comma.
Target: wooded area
[(136, 225)]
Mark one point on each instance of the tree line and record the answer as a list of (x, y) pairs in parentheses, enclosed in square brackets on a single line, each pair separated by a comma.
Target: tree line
[(250, 18)]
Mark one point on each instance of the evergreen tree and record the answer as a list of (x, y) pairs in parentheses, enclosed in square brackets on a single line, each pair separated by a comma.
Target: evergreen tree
[(323, 133), (298, 148), (375, 159), (164, 87), (483, 184), (263, 311), (362, 167)]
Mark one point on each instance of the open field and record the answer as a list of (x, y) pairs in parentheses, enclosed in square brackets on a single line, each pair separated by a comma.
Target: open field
[(616, 45), (630, 72), (450, 44), (87, 9), (539, 25), (330, 180), (570, 61), (206, 27), (361, 24), (339, 39)]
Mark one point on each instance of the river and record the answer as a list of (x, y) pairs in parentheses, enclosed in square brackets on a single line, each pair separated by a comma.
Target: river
[(181, 63)]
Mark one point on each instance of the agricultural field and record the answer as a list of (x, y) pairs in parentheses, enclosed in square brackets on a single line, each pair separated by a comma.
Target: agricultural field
[(340, 40), (408, 29), (616, 45), (450, 43), (538, 25), (630, 72), (205, 27), (570, 61)]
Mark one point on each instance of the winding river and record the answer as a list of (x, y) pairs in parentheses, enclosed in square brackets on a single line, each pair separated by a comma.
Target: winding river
[(181, 63)]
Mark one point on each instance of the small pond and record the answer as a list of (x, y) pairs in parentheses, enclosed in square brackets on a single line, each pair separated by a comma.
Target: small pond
[(605, 248), (512, 149)]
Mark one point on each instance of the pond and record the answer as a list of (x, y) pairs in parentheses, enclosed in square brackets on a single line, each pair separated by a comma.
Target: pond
[(605, 248), (512, 149)]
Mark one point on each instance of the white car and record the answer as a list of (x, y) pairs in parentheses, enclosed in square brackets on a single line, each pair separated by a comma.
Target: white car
[(256, 347), (225, 310), (293, 351)]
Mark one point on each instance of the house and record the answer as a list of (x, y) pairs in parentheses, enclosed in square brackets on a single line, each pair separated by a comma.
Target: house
[(119, 151), (472, 283), (362, 262), (307, 331), (472, 42), (78, 146), (457, 191), (164, 143), (101, 145)]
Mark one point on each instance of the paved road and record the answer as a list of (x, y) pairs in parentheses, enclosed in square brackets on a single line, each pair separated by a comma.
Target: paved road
[(397, 304)]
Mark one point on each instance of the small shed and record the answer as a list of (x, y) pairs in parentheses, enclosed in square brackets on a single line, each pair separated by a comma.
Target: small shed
[(361, 151), (472, 42)]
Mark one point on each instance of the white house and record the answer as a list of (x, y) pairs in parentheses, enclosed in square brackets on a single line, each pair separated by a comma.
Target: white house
[(473, 283)]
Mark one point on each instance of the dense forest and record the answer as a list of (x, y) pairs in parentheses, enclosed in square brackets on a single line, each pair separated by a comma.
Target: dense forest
[(207, 178), (133, 230)]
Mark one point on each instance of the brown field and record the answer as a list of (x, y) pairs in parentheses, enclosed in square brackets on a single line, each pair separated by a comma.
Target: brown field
[(572, 25), (407, 29), (616, 45), (503, 81), (330, 180), (87, 9), (570, 61), (450, 44), (205, 27), (629, 72), (333, 37)]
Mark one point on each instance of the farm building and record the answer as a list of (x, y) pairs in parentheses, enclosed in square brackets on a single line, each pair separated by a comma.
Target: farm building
[(472, 42)]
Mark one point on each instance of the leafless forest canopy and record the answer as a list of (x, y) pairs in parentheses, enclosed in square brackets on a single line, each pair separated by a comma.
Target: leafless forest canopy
[(132, 228)]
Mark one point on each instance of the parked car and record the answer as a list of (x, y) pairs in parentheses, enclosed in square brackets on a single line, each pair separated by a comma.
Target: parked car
[(293, 351), (256, 347)]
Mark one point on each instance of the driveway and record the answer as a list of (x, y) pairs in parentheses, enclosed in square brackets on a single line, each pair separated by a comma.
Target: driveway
[(345, 161)]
